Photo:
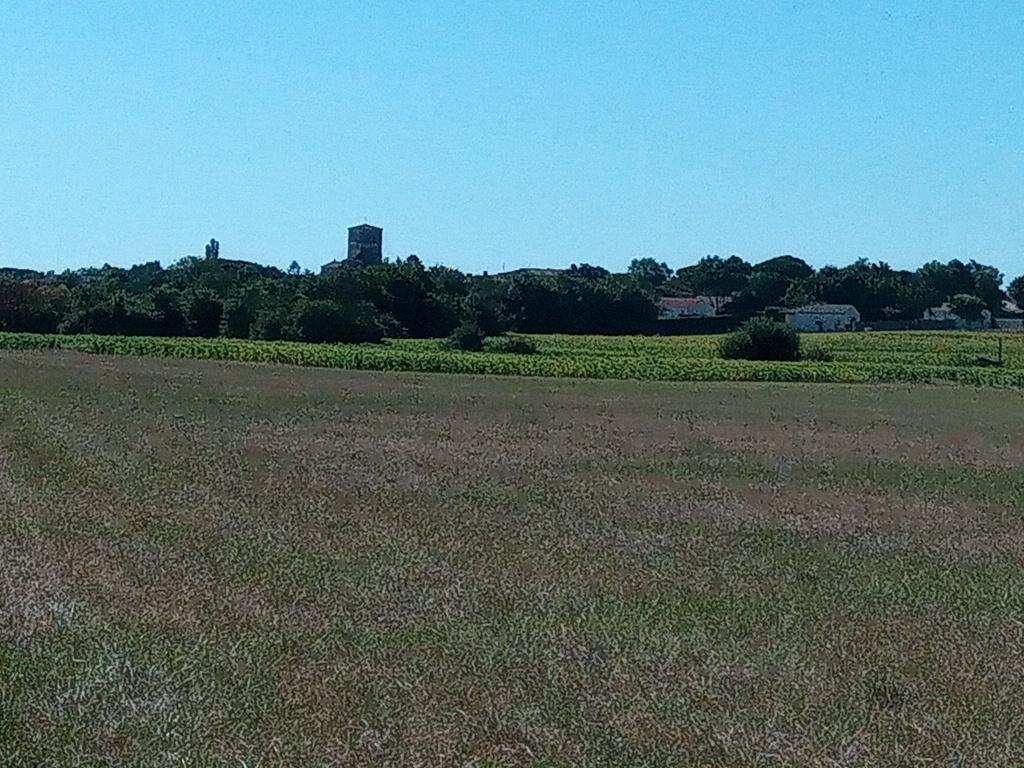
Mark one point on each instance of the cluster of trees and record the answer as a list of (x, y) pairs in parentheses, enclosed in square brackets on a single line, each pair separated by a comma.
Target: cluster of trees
[(211, 296), (877, 290)]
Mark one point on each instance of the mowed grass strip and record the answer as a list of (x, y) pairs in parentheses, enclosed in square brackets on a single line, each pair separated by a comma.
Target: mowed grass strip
[(961, 358), (210, 564)]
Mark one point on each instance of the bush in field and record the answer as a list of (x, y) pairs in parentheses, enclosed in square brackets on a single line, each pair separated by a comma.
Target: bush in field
[(761, 339), (511, 345), (467, 337)]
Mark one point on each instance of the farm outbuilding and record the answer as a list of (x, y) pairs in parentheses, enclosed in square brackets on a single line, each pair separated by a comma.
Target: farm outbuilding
[(670, 308), (820, 318)]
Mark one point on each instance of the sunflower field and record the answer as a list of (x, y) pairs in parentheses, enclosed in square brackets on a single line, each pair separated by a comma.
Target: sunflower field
[(980, 359)]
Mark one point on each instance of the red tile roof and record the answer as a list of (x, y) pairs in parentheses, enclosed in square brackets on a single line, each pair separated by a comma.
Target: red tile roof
[(683, 303)]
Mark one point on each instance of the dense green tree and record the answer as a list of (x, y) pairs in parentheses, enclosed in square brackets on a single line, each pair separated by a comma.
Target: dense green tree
[(789, 267), (570, 304), (970, 308), (987, 285), (30, 306), (115, 313), (942, 281), (717, 278), (203, 311), (590, 272), (1016, 290), (649, 271), (327, 321)]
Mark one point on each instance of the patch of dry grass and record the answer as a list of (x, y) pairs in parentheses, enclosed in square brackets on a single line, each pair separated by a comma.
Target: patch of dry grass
[(217, 564)]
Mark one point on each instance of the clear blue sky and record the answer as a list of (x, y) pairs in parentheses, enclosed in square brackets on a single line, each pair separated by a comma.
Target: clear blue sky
[(485, 135)]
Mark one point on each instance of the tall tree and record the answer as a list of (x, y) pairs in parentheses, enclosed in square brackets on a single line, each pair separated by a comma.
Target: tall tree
[(213, 249), (1016, 291), (649, 271), (717, 278), (968, 307), (988, 283)]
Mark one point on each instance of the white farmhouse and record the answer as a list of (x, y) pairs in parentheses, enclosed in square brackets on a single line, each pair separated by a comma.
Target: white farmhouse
[(695, 306), (817, 318)]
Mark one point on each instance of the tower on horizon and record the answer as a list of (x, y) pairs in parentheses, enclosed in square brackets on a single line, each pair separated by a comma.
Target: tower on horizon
[(365, 245)]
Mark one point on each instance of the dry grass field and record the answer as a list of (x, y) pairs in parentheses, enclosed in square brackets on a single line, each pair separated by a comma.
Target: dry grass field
[(228, 564)]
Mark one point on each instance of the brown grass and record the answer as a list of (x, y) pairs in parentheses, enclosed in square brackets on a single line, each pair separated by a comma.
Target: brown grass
[(217, 564)]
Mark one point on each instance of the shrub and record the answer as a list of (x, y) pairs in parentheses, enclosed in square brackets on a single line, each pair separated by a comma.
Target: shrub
[(761, 339), (467, 337), (511, 345)]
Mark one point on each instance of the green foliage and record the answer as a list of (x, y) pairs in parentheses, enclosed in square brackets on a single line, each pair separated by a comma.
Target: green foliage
[(592, 272), (789, 267), (118, 312), (574, 304), (467, 337), (716, 277), (648, 271), (204, 312), (761, 339), (511, 345), (968, 307), (326, 321), (769, 284), (483, 307), (1016, 290), (31, 307)]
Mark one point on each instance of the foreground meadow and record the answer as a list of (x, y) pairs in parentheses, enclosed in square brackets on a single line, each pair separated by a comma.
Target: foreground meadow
[(230, 564)]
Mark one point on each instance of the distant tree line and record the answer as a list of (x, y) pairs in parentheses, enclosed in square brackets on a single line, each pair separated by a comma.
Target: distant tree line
[(212, 296)]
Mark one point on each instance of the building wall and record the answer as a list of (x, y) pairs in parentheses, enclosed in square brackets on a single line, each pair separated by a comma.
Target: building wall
[(700, 309), (1009, 324), (812, 322)]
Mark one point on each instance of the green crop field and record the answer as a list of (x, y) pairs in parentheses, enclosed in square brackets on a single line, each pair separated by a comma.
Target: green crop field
[(210, 564), (855, 357)]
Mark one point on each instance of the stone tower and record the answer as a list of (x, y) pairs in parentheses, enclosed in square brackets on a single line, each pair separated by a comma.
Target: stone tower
[(365, 245)]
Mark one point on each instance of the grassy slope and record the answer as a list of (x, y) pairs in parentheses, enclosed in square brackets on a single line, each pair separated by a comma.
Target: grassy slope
[(212, 564), (857, 358)]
